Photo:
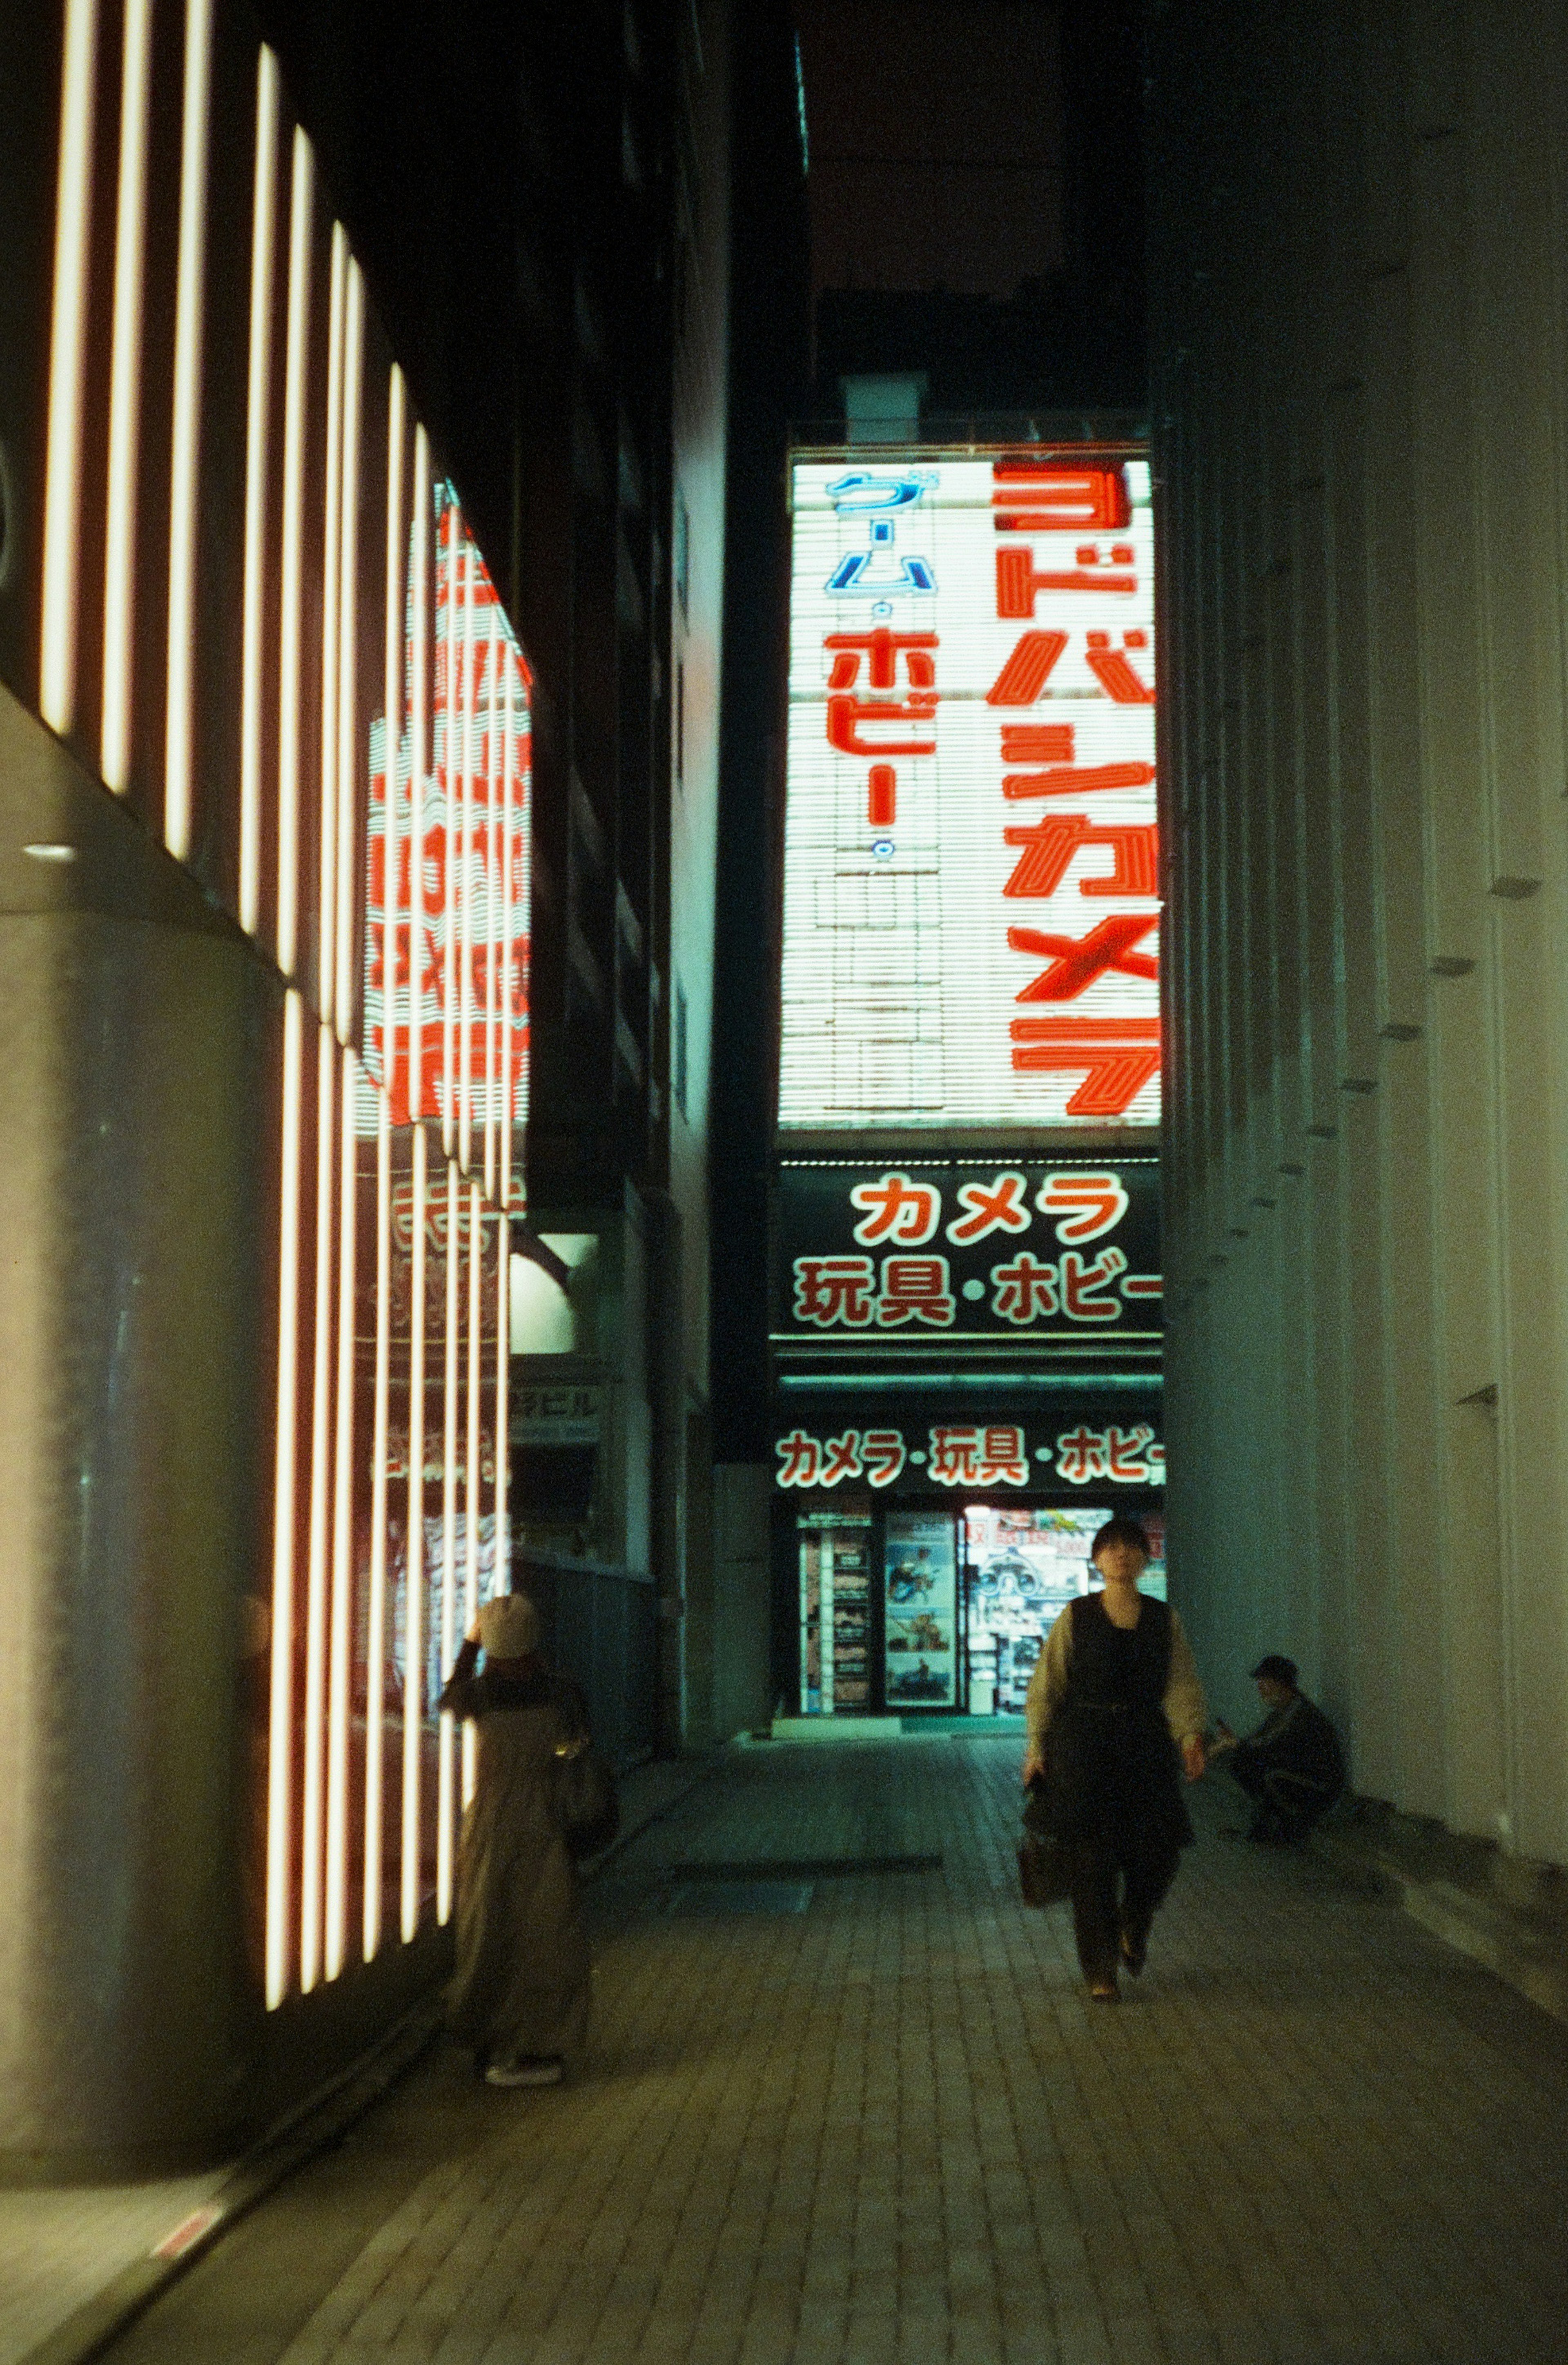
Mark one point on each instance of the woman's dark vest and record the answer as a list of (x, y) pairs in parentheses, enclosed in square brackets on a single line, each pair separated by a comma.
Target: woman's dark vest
[(1113, 1770)]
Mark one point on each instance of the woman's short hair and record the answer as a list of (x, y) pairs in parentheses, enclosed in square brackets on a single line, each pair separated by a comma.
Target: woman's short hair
[(1121, 1530)]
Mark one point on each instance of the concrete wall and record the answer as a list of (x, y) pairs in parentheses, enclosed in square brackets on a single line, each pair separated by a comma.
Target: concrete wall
[(742, 1508), (1359, 220), (696, 538)]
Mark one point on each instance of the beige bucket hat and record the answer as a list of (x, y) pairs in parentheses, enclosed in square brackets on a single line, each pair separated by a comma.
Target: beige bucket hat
[(508, 1626)]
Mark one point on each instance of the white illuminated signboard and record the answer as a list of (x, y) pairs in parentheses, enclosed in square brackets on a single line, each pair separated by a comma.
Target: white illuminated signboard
[(970, 915)]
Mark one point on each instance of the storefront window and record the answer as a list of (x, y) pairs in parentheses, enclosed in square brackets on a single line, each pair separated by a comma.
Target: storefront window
[(1021, 1569)]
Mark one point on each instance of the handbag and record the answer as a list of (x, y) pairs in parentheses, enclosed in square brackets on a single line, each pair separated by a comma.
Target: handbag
[(1043, 1872), (587, 1808), (1044, 1863)]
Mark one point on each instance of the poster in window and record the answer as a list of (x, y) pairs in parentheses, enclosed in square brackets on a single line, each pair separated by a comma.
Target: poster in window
[(920, 1587)]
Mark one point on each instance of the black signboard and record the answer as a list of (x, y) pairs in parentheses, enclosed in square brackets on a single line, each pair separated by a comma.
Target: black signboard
[(1093, 1443), (1065, 1252)]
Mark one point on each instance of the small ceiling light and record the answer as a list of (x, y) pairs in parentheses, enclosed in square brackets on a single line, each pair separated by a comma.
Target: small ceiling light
[(50, 851)]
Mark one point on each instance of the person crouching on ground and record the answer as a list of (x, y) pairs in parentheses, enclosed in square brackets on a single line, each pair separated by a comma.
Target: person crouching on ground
[(1116, 1714), (520, 1995), (1290, 1769)]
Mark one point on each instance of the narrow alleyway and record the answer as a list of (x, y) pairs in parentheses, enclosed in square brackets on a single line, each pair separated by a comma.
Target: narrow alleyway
[(866, 2114)]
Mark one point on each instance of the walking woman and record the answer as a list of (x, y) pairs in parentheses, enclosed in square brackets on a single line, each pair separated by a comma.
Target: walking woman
[(1116, 1715), (519, 1996)]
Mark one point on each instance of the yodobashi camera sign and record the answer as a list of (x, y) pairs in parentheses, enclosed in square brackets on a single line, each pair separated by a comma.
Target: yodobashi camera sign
[(971, 896)]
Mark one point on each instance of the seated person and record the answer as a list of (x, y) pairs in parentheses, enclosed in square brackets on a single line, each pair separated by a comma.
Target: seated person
[(1291, 1767)]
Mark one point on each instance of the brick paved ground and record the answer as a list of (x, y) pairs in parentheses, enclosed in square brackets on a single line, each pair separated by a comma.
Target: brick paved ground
[(888, 2130)]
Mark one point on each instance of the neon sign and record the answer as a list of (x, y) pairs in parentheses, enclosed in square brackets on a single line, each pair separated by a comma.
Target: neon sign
[(972, 1453), (1065, 1252), (971, 901)]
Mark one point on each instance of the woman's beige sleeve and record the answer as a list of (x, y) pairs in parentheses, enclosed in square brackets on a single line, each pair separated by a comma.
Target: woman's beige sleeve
[(1186, 1711), (1048, 1681)]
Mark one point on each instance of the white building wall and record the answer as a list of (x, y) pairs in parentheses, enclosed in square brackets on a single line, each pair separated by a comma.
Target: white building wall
[(1360, 216)]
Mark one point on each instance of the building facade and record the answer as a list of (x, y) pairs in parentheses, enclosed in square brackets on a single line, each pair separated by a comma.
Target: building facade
[(1359, 436), (966, 1314), (356, 973)]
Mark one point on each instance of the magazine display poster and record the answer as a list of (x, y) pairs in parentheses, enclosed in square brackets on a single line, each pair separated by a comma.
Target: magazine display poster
[(851, 1619), (1152, 1581), (1023, 1568), (920, 1562)]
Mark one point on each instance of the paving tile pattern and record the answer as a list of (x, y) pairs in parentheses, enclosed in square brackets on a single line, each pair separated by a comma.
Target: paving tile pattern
[(58, 2248), (890, 2129)]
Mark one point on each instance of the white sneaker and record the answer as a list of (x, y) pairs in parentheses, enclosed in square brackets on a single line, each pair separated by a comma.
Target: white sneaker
[(527, 2070)]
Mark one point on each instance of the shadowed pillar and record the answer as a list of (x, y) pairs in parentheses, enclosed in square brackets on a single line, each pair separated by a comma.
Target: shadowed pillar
[(135, 1159)]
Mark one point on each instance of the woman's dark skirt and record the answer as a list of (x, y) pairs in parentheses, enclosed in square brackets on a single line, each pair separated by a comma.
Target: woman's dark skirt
[(1113, 1783)]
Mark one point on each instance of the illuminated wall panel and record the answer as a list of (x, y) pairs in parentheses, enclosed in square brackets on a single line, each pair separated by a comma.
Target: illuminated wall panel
[(337, 737), (970, 904)]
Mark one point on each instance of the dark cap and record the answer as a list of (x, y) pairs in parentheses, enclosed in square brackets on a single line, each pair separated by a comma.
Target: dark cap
[(1277, 1670)]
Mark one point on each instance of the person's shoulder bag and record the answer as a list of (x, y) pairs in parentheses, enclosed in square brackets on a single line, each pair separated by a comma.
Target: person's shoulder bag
[(586, 1805)]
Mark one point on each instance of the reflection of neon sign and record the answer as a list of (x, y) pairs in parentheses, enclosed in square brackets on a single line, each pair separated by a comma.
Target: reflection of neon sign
[(466, 1052)]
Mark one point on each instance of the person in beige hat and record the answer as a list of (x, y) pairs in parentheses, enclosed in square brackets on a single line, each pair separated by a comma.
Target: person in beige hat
[(521, 1990)]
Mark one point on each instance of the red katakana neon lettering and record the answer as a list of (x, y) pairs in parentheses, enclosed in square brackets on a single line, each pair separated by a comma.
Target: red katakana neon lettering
[(915, 1289), (1024, 1290), (884, 648), (1110, 670), (1144, 1285), (1075, 779), (1082, 1284), (994, 1206), (841, 1457), (1080, 1455), (955, 1457), (881, 796), (845, 716), (1127, 1454), (1087, 1203), (1027, 670), (884, 1456), (830, 1290), (1059, 501), (1003, 1458), (1049, 844), (1038, 743), (1117, 1056), (894, 1208), (800, 1459), (1078, 962), (1019, 581)]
